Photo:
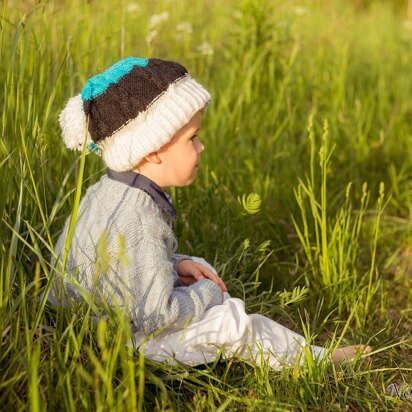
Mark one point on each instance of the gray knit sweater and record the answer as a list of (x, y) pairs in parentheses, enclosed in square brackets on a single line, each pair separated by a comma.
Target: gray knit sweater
[(124, 249)]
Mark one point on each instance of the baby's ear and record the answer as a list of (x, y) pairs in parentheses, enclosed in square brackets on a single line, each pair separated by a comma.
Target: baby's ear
[(153, 158)]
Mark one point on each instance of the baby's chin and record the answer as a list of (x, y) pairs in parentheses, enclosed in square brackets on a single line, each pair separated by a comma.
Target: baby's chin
[(189, 181)]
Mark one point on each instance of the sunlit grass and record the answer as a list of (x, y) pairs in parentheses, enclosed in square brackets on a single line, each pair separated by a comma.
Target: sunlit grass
[(310, 227)]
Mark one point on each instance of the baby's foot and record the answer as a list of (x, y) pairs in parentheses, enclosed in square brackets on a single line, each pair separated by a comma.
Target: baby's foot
[(350, 352)]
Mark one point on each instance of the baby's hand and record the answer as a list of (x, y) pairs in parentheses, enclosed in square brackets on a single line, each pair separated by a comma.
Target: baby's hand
[(190, 272)]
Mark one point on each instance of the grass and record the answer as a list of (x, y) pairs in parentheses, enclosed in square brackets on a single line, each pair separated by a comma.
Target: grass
[(303, 201)]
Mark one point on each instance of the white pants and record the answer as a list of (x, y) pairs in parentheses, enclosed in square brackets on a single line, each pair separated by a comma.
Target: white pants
[(227, 330)]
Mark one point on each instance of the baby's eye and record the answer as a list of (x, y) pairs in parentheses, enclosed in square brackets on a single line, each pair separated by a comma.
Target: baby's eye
[(193, 137)]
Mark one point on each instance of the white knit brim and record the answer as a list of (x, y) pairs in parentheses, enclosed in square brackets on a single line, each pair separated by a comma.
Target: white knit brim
[(154, 127)]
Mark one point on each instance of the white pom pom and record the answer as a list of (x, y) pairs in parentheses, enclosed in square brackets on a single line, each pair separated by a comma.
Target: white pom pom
[(72, 120)]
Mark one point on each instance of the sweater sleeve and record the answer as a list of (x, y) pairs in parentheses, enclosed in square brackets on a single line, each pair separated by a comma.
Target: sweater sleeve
[(153, 301)]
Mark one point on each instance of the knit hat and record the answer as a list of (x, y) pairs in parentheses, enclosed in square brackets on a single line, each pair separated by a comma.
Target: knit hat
[(132, 109)]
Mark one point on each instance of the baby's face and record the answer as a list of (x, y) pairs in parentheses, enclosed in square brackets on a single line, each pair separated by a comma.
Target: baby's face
[(181, 156)]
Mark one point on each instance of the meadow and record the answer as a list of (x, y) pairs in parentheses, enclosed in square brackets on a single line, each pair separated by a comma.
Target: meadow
[(303, 201)]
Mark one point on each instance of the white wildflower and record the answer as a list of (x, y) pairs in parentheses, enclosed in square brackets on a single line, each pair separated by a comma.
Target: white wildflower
[(407, 25), (133, 8), (205, 48), (237, 15), (300, 11), (184, 27), (151, 36), (157, 19)]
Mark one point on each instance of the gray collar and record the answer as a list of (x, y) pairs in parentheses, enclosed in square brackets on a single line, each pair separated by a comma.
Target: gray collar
[(159, 196)]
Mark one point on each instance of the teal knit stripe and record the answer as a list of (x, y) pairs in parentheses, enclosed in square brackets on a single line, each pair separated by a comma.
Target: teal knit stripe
[(98, 84)]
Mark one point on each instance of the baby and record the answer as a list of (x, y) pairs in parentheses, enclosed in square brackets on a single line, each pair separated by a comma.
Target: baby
[(142, 116)]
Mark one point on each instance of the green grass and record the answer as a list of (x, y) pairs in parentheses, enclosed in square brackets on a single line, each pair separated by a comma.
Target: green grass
[(303, 201)]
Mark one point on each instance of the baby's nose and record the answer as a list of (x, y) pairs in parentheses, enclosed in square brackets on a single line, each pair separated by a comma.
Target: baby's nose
[(200, 147)]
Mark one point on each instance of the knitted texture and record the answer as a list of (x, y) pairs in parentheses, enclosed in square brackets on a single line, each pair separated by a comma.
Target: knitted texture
[(98, 84), (132, 109), (123, 249)]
